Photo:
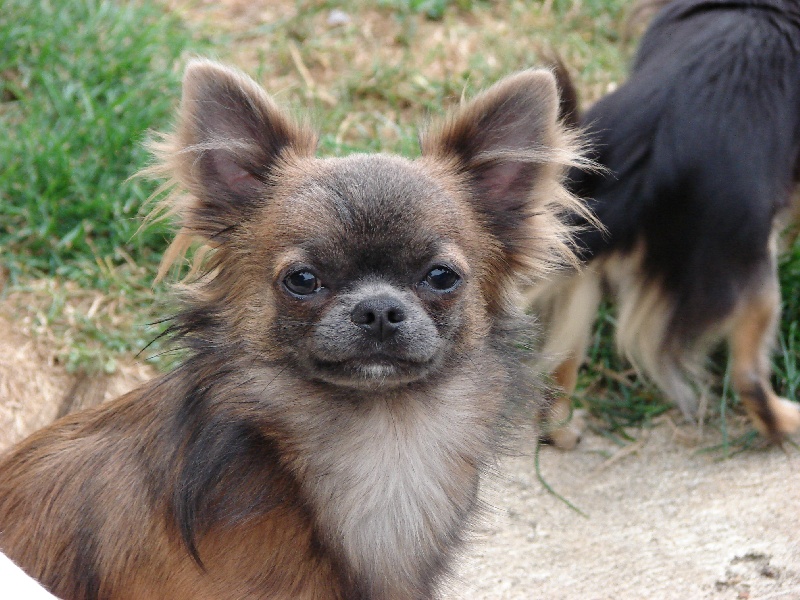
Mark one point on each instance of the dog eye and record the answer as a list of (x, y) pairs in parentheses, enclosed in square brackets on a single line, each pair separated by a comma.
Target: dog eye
[(442, 279), (302, 283)]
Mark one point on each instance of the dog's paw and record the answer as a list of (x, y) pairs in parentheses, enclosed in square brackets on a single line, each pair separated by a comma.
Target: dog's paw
[(777, 419), (787, 415), (567, 436)]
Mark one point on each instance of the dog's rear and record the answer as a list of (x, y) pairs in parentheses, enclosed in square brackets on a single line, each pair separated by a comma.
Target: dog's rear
[(702, 146)]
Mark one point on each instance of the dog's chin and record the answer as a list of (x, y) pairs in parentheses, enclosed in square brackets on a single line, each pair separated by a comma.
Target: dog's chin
[(373, 373)]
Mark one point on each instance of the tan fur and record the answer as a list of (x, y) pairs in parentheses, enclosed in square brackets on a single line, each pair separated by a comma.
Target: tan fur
[(752, 331), (563, 428), (287, 459), (139, 559), (569, 305), (642, 318)]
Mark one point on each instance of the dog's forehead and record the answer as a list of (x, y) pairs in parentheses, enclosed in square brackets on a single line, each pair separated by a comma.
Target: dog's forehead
[(373, 209), (380, 189)]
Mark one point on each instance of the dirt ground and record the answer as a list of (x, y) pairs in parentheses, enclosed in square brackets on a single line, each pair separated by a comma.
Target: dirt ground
[(35, 389), (662, 520)]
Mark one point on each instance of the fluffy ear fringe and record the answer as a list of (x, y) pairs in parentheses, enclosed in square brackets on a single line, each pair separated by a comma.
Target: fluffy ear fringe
[(545, 242), (170, 201), (176, 159), (548, 242), (550, 245)]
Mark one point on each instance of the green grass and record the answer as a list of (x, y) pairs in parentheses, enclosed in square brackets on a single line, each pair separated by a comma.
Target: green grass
[(82, 83), (432, 9), (787, 362), (83, 80)]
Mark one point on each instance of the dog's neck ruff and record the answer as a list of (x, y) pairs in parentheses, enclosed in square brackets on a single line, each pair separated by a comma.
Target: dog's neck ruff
[(393, 480)]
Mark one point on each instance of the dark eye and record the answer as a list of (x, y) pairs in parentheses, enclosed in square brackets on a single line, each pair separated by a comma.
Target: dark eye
[(302, 283), (442, 279)]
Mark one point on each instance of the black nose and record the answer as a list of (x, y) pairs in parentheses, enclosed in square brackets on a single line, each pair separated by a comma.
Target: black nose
[(379, 316)]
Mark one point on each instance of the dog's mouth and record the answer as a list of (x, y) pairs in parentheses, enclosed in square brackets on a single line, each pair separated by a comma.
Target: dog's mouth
[(378, 370)]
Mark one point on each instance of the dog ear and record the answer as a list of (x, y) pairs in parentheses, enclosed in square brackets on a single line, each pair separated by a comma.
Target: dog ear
[(229, 138), (509, 146)]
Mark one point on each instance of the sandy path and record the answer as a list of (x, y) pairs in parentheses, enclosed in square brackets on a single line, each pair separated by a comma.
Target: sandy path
[(663, 523)]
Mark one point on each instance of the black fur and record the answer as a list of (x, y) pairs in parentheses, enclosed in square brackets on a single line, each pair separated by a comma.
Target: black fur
[(702, 145)]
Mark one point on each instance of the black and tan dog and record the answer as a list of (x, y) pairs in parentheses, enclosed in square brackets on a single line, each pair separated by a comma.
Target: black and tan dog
[(702, 148), (356, 351)]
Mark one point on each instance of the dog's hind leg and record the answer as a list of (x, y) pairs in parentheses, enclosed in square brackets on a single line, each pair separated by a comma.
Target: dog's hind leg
[(569, 308), (561, 427), (751, 338)]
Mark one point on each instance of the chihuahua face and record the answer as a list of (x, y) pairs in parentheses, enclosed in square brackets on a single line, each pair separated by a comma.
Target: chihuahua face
[(369, 272), (377, 289)]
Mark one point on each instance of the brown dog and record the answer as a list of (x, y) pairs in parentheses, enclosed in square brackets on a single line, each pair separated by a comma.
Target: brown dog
[(355, 352)]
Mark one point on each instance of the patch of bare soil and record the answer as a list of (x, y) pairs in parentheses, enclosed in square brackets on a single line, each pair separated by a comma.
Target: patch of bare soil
[(35, 389), (663, 521)]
